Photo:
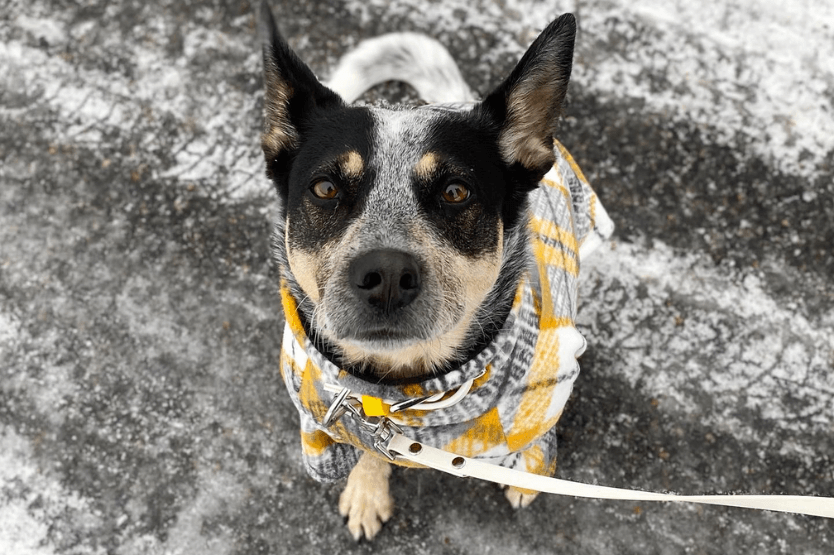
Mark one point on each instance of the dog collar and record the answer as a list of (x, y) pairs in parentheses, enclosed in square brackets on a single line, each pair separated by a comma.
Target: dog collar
[(374, 406)]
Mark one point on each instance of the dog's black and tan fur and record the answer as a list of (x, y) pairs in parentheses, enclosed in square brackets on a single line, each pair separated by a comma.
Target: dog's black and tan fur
[(403, 230)]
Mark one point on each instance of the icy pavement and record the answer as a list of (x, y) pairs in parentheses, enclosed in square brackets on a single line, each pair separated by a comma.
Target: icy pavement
[(141, 411)]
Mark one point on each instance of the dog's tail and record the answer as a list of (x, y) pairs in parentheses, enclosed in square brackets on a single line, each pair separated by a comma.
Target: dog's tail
[(416, 59)]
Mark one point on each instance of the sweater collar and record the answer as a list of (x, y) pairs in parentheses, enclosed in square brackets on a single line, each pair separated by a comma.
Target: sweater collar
[(477, 369)]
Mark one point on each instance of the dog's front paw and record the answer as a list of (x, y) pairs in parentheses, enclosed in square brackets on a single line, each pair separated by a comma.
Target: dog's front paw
[(366, 501), (520, 498)]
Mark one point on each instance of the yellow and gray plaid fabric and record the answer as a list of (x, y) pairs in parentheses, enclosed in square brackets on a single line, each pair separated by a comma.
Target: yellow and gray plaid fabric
[(526, 373)]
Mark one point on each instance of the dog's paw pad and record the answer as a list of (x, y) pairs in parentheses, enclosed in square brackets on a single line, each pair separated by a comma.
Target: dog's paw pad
[(519, 498), (366, 509)]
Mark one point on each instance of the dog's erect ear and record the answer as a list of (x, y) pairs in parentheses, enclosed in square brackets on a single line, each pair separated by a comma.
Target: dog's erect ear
[(528, 104), (293, 94)]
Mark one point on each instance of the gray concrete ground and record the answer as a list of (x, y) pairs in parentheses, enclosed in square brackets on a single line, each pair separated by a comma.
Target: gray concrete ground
[(141, 411)]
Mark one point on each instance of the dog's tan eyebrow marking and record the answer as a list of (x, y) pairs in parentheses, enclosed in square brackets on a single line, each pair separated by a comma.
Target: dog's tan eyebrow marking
[(351, 164), (427, 166)]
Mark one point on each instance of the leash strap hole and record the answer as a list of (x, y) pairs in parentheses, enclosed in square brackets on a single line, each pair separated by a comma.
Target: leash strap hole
[(458, 462), (415, 448)]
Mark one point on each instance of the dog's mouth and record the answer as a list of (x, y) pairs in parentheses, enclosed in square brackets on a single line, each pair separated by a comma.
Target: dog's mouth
[(394, 353), (382, 338)]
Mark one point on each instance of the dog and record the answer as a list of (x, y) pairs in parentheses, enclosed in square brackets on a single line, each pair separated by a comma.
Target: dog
[(428, 255)]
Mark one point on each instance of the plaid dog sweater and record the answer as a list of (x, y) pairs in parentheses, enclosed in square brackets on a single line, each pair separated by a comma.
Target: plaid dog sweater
[(522, 380)]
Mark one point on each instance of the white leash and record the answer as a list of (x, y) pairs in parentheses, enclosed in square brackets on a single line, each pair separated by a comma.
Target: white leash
[(425, 455), (391, 442)]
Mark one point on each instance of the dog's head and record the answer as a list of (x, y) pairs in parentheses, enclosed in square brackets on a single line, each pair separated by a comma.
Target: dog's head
[(403, 230)]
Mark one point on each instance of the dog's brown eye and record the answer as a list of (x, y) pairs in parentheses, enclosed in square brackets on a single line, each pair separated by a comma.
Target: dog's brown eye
[(455, 193), (324, 189)]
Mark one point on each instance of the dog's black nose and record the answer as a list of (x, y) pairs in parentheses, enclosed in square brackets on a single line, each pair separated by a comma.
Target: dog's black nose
[(385, 279)]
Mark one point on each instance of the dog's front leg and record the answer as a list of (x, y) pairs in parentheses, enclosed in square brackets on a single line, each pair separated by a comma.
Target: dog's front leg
[(366, 501)]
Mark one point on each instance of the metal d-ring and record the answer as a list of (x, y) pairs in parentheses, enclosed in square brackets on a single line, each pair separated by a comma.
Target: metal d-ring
[(337, 408)]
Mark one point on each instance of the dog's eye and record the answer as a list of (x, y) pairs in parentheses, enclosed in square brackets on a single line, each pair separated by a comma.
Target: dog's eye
[(455, 193), (324, 189)]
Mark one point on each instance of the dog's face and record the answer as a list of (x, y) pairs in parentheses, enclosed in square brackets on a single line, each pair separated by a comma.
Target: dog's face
[(403, 229)]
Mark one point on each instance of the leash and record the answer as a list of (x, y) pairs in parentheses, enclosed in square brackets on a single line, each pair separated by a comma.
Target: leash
[(389, 440)]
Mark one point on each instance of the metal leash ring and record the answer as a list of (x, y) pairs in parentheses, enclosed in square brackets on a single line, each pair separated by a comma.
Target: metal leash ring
[(337, 409), (381, 428)]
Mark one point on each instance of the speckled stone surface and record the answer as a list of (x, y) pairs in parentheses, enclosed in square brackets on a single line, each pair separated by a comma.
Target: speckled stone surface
[(141, 411)]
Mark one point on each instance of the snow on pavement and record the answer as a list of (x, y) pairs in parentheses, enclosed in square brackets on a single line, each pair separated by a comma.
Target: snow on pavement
[(684, 328), (166, 104)]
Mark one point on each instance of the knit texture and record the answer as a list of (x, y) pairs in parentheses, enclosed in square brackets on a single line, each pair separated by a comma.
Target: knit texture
[(522, 379)]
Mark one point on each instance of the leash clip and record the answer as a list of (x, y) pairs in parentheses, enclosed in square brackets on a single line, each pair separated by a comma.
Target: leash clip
[(382, 429)]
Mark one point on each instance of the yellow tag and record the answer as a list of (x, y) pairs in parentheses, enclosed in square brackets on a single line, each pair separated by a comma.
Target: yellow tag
[(373, 406)]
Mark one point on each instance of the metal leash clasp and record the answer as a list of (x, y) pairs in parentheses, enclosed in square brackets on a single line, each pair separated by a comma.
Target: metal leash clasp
[(382, 430)]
